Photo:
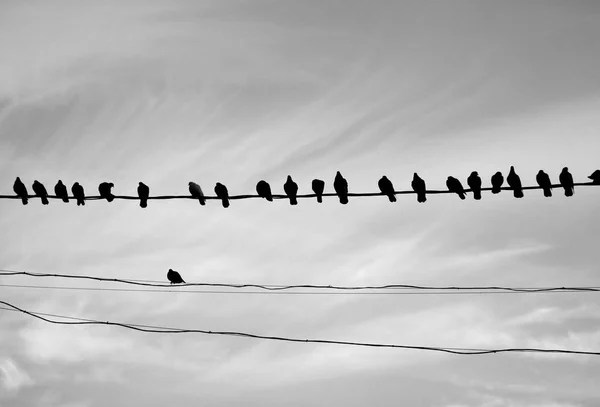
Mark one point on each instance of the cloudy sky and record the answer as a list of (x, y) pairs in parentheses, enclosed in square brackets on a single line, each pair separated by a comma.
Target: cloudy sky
[(235, 91)]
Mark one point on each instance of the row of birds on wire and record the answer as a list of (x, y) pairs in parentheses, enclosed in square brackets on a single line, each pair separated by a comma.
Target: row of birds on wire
[(340, 185)]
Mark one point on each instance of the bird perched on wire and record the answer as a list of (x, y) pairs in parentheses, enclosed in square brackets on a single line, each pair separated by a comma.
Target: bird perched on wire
[(595, 177), (291, 190), (543, 181), (174, 277), (196, 192), (566, 180), (418, 185), (60, 190), (474, 182), (105, 191), (497, 181), (318, 186), (21, 190), (263, 189), (341, 188), (454, 185), (514, 181), (143, 192), (40, 190), (386, 187), (78, 194), (221, 191)]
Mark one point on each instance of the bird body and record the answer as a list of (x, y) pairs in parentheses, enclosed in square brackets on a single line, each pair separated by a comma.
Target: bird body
[(40, 190), (497, 181), (60, 190), (543, 181), (105, 191), (143, 192), (174, 277), (454, 185), (386, 187), (196, 192), (418, 185), (341, 188), (263, 189), (78, 193), (291, 190), (21, 190), (221, 191), (318, 186), (474, 182), (595, 177), (514, 181), (566, 180)]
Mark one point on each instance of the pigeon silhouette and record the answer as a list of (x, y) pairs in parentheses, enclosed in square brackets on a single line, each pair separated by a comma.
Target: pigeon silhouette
[(454, 185), (341, 188), (418, 185), (386, 187), (514, 181), (221, 191), (174, 277), (21, 190), (60, 190), (196, 192), (78, 194), (543, 181), (318, 186), (497, 181), (291, 190), (105, 191), (40, 190), (143, 192), (566, 180), (474, 182), (263, 189), (595, 177)]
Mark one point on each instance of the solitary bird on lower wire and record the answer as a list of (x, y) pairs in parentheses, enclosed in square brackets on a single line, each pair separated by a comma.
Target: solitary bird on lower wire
[(454, 185), (21, 190), (291, 190), (60, 190), (174, 277), (221, 191), (514, 181), (418, 185), (40, 190), (566, 180), (386, 187), (143, 192), (105, 191), (497, 181), (341, 188), (196, 192), (595, 177), (78, 194), (263, 189), (543, 181), (318, 186), (474, 182)]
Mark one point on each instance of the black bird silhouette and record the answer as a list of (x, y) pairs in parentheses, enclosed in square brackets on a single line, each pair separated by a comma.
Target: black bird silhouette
[(174, 277), (341, 188), (497, 181), (263, 189), (40, 190), (60, 190), (543, 181), (514, 181), (78, 193), (21, 190), (418, 185), (291, 190), (196, 192), (566, 180), (386, 187), (318, 186), (105, 191), (454, 185), (221, 191), (143, 192), (595, 177), (474, 182)]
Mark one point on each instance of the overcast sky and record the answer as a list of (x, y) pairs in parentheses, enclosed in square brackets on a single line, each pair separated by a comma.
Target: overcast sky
[(235, 91)]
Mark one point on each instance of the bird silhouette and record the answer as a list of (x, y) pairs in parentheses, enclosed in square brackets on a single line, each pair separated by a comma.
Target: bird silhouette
[(143, 192), (221, 191), (595, 177), (386, 187), (174, 277), (21, 190), (454, 185), (341, 188), (40, 190), (196, 192), (543, 181), (78, 194), (566, 180), (318, 186), (418, 185), (497, 181), (263, 189), (60, 190), (105, 191), (474, 182), (514, 181), (291, 190)]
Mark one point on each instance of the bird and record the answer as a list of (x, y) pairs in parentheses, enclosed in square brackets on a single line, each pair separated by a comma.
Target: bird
[(60, 190), (387, 188), (454, 185), (78, 193), (263, 189), (318, 186), (291, 190), (474, 182), (595, 177), (196, 192), (543, 181), (21, 190), (105, 192), (418, 185), (566, 180), (174, 277), (497, 181), (221, 191), (341, 188), (40, 190), (514, 181), (143, 192)]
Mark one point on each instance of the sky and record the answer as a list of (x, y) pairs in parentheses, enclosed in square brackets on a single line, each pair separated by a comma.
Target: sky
[(168, 92)]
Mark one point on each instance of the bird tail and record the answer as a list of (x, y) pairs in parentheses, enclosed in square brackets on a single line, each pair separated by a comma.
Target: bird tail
[(495, 190), (44, 200), (225, 203), (110, 198), (319, 198), (461, 195), (477, 195), (80, 202), (24, 200), (66, 199), (293, 200), (343, 199), (547, 192), (518, 193), (421, 198), (392, 197), (269, 198), (143, 203), (202, 201), (569, 191)]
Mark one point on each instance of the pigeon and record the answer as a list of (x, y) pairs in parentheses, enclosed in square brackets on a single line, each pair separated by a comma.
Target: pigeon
[(566, 180), (221, 191), (291, 190), (387, 188), (474, 182), (595, 177), (514, 181), (40, 190), (196, 192), (143, 192), (497, 181), (174, 277), (454, 185), (543, 181), (418, 185), (78, 193), (341, 188), (21, 190), (263, 189), (318, 186), (60, 190), (105, 192)]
